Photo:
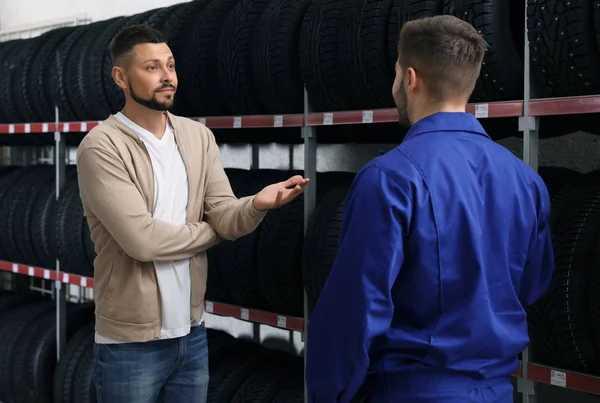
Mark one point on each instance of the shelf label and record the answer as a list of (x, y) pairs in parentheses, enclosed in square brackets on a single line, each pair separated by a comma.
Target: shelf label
[(202, 121), (328, 118), (27, 128), (11, 129), (558, 378), (84, 126), (482, 111), (282, 321), (244, 314), (278, 121), (83, 282), (367, 117), (15, 268), (210, 308), (65, 278), (30, 271), (237, 122), (46, 274), (66, 128), (45, 127)]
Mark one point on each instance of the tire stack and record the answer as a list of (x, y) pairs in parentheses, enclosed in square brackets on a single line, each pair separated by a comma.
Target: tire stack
[(565, 323), (241, 57), (254, 56), (240, 371)]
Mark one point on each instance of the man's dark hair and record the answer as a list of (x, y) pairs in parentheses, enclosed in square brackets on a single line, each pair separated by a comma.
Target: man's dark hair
[(124, 42), (445, 51)]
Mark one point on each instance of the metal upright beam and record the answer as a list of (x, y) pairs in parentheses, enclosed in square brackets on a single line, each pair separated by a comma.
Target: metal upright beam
[(529, 125), (61, 291), (310, 202)]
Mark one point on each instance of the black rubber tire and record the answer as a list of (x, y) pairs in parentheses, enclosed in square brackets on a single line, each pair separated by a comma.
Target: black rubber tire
[(64, 376), (70, 245), (84, 390), (319, 56), (76, 64), (60, 66), (564, 52), (362, 47), (276, 58), (198, 68), (41, 79), (219, 344), (20, 84), (568, 297), (21, 211), (279, 258), (322, 242), (229, 375), (12, 327), (9, 185), (263, 384), (556, 178), (236, 77), (501, 77), (36, 362), (10, 62), (238, 260)]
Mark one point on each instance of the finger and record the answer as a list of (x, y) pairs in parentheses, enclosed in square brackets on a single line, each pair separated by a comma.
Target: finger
[(294, 180)]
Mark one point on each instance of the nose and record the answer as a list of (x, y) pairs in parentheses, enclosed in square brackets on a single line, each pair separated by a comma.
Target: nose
[(167, 76)]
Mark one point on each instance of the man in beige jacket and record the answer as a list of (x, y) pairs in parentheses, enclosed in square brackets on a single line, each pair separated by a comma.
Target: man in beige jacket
[(156, 198)]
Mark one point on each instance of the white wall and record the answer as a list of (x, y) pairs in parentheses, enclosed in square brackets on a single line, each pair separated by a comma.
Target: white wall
[(16, 13)]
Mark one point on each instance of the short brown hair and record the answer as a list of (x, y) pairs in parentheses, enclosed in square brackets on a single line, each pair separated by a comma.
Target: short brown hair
[(446, 51), (127, 38)]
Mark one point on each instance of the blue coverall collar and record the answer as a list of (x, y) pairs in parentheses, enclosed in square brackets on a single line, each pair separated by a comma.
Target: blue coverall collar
[(447, 122)]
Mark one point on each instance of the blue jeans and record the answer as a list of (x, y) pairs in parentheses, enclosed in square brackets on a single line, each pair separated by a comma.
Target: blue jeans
[(172, 370)]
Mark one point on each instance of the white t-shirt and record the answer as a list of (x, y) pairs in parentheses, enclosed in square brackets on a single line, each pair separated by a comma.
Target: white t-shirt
[(170, 205)]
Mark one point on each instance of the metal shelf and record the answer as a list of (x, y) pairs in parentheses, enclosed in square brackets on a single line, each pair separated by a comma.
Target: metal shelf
[(217, 308), (537, 107)]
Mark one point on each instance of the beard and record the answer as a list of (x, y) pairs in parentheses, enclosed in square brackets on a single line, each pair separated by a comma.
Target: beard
[(401, 101), (153, 103)]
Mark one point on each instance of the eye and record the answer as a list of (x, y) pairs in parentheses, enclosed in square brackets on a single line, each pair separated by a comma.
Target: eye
[(151, 67)]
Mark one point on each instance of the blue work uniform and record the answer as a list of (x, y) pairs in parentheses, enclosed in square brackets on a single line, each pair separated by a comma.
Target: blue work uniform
[(444, 241)]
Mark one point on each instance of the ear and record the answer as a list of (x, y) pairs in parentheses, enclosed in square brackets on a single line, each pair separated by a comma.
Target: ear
[(411, 79), (119, 77)]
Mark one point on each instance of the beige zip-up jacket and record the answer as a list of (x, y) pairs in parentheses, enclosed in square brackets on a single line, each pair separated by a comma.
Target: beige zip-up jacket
[(116, 185)]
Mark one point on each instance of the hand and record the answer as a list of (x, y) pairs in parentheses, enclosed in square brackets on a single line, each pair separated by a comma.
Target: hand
[(279, 194)]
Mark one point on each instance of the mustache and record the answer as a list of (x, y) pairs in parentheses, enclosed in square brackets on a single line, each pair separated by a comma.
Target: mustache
[(165, 86)]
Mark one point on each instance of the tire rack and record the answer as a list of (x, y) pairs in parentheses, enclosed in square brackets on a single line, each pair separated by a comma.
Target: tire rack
[(527, 375), (527, 111)]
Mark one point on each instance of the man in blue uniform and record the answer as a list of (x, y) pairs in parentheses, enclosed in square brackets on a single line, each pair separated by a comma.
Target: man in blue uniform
[(444, 242)]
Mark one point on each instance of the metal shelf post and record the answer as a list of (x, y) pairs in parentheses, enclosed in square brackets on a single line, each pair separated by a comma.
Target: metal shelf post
[(61, 291), (529, 125), (310, 203)]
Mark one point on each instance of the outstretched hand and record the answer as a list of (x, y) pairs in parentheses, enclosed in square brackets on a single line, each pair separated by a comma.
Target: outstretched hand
[(280, 193)]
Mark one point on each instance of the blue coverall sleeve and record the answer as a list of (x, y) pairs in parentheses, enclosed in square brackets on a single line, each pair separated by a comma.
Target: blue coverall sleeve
[(355, 305), (540, 261)]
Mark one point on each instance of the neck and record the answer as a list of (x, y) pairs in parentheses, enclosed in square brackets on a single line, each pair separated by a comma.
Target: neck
[(431, 109), (153, 121)]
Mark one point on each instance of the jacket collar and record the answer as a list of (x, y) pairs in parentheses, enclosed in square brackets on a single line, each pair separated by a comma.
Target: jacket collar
[(446, 122), (112, 120)]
